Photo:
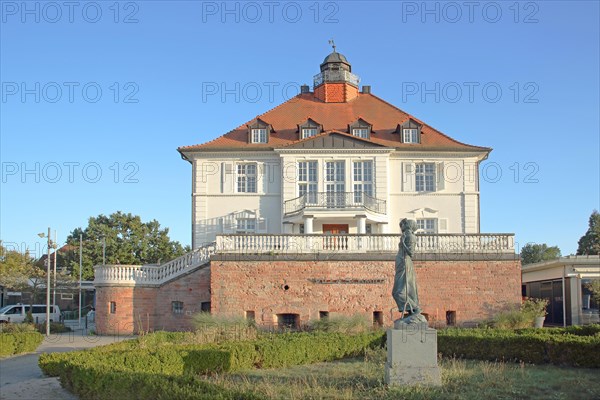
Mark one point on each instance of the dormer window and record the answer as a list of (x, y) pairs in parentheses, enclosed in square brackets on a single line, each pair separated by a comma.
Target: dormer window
[(410, 135), (259, 131), (259, 135), (410, 131), (309, 129), (361, 129), (361, 132), (308, 132)]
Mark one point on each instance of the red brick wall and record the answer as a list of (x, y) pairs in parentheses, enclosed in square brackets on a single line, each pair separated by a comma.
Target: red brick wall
[(336, 92), (475, 290), (148, 308)]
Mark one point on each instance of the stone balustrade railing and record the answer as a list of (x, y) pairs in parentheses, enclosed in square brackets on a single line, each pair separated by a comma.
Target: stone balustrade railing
[(347, 243), (153, 275)]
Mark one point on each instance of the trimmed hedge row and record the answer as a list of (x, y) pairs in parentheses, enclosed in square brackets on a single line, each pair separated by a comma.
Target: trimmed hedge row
[(281, 350), (170, 370), (19, 342), (576, 346)]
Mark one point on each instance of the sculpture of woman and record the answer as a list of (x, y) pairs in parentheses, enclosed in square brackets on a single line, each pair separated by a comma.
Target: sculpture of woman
[(405, 283)]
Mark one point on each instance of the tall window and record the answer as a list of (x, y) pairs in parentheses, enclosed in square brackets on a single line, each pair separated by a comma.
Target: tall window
[(410, 135), (426, 225), (425, 177), (246, 178), (259, 135), (307, 180), (361, 132), (308, 132), (363, 180), (335, 175)]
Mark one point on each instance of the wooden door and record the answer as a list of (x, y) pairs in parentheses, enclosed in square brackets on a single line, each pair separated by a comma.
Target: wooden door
[(335, 229), (335, 243)]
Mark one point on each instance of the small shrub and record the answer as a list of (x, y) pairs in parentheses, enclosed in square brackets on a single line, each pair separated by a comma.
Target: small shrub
[(55, 327), (342, 324), (28, 318), (514, 319), (217, 329), (534, 307)]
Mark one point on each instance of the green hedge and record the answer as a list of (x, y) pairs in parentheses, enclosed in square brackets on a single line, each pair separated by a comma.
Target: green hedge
[(168, 370), (17, 343), (574, 346)]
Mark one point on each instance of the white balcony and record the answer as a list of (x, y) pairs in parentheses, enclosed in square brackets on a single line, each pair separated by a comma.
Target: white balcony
[(499, 243), (332, 201)]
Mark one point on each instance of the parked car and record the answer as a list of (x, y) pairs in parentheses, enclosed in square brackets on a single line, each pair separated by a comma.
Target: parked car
[(18, 312)]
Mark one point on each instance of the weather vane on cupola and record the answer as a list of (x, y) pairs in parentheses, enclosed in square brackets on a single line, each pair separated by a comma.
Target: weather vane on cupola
[(332, 44)]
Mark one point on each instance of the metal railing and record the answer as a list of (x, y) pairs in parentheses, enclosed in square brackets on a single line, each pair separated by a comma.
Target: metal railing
[(335, 76), (350, 243), (153, 274), (335, 200)]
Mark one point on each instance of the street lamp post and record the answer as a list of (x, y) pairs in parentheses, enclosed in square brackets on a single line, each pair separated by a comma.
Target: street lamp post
[(47, 282), (54, 272)]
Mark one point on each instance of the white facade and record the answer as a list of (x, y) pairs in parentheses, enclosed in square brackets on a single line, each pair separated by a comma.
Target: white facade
[(220, 204), (336, 161)]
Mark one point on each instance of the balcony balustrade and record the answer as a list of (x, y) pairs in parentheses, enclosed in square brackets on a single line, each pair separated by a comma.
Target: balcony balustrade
[(153, 275), (335, 201), (349, 243)]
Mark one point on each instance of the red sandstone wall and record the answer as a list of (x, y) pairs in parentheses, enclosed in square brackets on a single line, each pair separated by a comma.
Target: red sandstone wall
[(474, 289), (147, 309)]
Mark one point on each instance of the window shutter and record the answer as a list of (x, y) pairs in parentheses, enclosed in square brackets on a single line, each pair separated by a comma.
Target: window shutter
[(408, 177), (262, 177), (227, 177), (441, 180), (442, 225)]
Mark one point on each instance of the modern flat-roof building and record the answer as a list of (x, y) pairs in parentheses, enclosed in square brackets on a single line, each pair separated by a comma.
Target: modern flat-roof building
[(563, 282)]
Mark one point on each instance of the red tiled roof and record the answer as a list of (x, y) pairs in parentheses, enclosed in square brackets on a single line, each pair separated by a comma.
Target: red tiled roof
[(286, 117)]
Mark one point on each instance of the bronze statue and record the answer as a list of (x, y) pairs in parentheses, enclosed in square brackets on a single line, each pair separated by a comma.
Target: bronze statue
[(405, 281)]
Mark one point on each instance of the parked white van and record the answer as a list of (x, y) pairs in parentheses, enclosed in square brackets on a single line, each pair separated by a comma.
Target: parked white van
[(18, 312)]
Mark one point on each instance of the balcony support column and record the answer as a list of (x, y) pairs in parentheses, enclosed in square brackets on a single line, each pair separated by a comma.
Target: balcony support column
[(361, 224), (308, 224)]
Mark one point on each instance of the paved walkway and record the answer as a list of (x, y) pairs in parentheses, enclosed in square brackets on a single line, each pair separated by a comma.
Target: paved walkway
[(22, 378)]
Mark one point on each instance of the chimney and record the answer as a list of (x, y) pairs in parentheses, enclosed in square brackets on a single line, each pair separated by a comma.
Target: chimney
[(304, 89), (366, 89)]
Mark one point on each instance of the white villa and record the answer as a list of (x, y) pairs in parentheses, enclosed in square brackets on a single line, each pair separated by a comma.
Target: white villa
[(335, 160), (307, 197)]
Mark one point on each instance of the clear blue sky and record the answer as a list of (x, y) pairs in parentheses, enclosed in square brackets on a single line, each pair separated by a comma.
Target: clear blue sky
[(167, 57)]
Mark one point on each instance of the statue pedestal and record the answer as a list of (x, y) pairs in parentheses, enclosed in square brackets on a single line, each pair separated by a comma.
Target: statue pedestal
[(412, 355)]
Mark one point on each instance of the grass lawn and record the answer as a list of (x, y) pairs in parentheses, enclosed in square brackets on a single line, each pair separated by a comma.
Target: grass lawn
[(363, 378)]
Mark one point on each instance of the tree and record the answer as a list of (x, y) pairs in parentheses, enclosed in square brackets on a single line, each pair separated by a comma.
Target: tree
[(128, 241), (590, 242), (533, 253), (594, 288), (19, 272)]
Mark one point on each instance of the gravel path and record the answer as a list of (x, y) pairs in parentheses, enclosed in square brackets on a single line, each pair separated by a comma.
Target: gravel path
[(22, 379)]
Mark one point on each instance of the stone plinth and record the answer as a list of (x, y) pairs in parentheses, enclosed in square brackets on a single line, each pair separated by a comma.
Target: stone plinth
[(412, 356)]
